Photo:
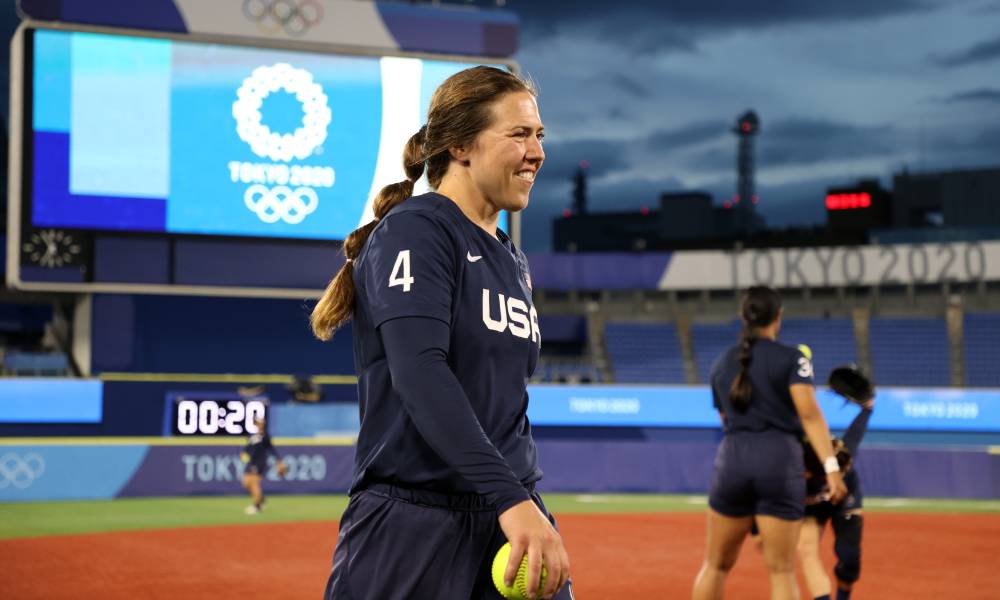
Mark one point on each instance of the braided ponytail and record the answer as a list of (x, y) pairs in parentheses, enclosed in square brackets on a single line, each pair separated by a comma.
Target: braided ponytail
[(759, 307), (336, 305), (741, 390)]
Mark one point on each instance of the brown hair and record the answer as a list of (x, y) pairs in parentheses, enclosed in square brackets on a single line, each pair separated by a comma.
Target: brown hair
[(460, 109), (759, 307)]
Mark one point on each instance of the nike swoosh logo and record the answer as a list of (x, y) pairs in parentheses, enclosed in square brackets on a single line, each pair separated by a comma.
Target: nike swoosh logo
[(471, 258)]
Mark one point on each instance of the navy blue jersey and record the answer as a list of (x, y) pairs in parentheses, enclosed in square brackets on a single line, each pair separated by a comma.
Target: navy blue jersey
[(258, 447), (773, 368), (426, 259), (817, 486)]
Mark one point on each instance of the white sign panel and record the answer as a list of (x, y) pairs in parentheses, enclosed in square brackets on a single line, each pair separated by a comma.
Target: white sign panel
[(900, 264)]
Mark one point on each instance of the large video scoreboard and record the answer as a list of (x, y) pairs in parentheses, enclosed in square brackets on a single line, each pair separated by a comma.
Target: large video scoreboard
[(157, 163)]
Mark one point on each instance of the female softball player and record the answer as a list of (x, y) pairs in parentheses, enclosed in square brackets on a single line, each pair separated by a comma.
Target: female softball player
[(765, 397), (445, 338), (846, 518), (255, 453)]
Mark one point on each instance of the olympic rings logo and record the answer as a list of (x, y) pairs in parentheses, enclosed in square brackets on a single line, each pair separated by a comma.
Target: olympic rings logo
[(19, 471), (264, 142), (294, 16), (280, 203)]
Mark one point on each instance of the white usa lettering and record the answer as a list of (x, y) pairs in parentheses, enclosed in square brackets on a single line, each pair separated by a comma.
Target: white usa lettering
[(514, 316)]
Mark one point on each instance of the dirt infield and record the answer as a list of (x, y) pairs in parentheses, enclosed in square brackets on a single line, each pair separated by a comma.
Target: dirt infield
[(651, 556)]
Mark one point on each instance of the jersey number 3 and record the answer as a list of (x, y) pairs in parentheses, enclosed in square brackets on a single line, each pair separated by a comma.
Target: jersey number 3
[(401, 271), (805, 367)]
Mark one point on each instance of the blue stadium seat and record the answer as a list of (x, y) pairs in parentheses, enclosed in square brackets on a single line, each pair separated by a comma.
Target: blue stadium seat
[(909, 351), (566, 371), (35, 363), (645, 352), (982, 349), (831, 340), (709, 341)]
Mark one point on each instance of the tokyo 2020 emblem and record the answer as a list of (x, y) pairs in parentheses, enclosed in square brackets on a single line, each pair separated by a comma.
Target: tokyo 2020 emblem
[(281, 192)]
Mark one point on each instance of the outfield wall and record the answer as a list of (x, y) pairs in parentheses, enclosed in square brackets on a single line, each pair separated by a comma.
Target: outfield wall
[(685, 467), (103, 468), (111, 407), (594, 461), (922, 442)]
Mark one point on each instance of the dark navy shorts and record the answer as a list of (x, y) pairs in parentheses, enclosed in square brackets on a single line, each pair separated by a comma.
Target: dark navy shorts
[(759, 474), (824, 511), (404, 544)]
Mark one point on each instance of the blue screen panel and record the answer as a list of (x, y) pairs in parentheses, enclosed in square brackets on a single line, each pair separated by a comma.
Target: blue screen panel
[(51, 401), (158, 135), (119, 116), (897, 409)]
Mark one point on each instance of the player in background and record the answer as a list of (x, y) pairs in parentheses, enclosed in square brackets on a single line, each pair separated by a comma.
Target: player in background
[(254, 454), (764, 393), (445, 338), (846, 518)]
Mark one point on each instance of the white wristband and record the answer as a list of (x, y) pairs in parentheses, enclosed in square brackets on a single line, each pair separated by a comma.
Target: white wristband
[(830, 465)]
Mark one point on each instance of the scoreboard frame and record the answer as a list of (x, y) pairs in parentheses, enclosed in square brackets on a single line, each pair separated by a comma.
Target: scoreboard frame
[(78, 246)]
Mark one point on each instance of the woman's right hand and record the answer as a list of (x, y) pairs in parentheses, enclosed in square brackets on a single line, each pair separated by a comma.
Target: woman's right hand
[(838, 489), (529, 532)]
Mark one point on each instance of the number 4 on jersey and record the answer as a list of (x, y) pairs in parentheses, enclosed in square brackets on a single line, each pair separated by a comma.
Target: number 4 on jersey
[(401, 271)]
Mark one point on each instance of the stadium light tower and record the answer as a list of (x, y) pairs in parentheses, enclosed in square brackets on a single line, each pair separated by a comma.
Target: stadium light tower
[(580, 188), (746, 129)]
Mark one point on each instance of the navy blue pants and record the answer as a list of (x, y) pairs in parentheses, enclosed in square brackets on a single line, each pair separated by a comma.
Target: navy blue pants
[(401, 544), (847, 528), (759, 474)]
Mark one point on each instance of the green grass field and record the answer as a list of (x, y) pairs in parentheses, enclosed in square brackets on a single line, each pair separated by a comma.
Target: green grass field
[(33, 519)]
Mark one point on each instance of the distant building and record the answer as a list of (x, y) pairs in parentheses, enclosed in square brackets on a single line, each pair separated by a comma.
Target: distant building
[(684, 220), (966, 199)]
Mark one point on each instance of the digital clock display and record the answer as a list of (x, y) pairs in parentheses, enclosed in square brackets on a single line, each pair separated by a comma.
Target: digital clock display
[(215, 414)]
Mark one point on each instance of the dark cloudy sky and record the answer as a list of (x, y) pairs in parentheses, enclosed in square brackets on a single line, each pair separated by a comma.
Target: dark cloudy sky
[(646, 90), (845, 89)]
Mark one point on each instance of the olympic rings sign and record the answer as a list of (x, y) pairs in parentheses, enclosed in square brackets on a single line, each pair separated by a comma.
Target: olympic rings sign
[(20, 471), (280, 203), (294, 16)]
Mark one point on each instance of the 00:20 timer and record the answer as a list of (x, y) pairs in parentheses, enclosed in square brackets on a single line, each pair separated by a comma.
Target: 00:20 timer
[(208, 417)]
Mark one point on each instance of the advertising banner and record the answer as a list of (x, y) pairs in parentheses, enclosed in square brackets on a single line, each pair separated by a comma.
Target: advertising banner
[(66, 471), (882, 265), (898, 409), (210, 470)]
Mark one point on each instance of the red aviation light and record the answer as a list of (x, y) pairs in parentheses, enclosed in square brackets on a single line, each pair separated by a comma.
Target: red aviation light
[(849, 201)]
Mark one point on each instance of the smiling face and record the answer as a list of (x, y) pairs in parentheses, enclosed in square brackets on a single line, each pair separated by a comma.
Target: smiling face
[(506, 156)]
